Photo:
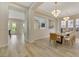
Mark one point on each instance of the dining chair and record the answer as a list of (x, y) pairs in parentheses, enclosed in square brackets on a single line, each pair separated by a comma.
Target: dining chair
[(70, 40), (53, 38)]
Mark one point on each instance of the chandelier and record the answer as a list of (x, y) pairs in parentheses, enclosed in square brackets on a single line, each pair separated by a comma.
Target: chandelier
[(66, 18), (56, 11)]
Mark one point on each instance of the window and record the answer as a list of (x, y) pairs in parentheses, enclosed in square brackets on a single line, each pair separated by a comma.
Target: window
[(70, 23), (77, 23), (63, 24)]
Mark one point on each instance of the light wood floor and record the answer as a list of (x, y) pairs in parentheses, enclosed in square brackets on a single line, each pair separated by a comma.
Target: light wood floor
[(4, 51), (42, 48), (39, 48)]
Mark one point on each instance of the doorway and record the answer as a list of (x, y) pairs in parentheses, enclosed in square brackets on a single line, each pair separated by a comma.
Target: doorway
[(16, 42)]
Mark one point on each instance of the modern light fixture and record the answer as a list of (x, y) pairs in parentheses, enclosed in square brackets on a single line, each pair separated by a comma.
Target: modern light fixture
[(66, 18), (56, 11)]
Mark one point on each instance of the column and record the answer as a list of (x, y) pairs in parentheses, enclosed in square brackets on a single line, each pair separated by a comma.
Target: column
[(56, 25), (74, 23), (66, 25), (59, 26), (29, 24)]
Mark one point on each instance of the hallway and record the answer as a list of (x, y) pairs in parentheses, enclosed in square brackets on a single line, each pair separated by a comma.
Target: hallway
[(16, 45)]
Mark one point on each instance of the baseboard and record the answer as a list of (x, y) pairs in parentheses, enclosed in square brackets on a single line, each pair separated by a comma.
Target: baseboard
[(2, 46), (33, 40)]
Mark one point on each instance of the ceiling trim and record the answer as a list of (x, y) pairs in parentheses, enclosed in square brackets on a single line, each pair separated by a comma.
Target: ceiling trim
[(45, 13), (35, 5), (48, 14), (19, 5), (16, 7)]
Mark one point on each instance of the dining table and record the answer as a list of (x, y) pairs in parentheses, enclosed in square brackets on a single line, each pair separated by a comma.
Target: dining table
[(60, 37)]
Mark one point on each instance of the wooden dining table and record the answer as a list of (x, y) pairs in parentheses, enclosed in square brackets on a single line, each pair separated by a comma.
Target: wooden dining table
[(60, 39)]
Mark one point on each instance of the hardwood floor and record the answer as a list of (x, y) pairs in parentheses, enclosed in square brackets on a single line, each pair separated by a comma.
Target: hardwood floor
[(39, 48), (42, 48), (4, 51)]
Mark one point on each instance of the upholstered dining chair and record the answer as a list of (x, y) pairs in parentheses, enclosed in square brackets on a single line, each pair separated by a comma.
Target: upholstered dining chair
[(70, 40), (53, 38)]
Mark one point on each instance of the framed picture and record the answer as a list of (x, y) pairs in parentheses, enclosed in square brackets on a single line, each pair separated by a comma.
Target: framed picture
[(43, 26), (51, 24)]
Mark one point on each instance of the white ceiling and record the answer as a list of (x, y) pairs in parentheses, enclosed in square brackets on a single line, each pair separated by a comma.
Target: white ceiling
[(67, 8), (25, 4)]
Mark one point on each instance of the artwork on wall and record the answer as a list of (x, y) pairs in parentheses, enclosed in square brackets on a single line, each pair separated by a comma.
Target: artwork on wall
[(42, 25), (51, 24), (41, 22)]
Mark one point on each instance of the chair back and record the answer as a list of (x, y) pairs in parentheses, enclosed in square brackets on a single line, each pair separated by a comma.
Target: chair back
[(53, 36)]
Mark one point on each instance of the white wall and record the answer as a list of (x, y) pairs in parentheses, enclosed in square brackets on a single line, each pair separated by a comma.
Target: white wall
[(16, 14), (16, 11), (3, 24), (41, 33)]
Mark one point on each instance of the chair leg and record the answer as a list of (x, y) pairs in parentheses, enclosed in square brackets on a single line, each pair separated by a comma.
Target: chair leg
[(52, 43)]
